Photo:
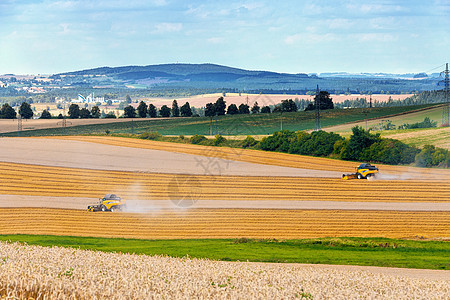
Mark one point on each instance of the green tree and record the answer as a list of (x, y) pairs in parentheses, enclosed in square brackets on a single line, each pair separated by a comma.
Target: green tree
[(288, 105), (244, 109), (74, 111), (85, 113), (255, 108), (265, 110), (164, 111), (210, 110), (325, 101), (425, 157), (45, 115), (220, 106), (186, 110), (129, 112), (95, 112), (175, 109), (109, 102), (25, 111), (318, 143), (110, 115), (359, 140), (142, 109), (232, 109), (249, 141), (152, 111), (128, 99), (7, 112)]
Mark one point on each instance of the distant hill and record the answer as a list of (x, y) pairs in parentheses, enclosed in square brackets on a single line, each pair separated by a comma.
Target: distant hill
[(182, 72), (212, 76)]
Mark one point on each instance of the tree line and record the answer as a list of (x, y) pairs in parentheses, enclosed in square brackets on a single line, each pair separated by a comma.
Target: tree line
[(8, 112), (362, 146)]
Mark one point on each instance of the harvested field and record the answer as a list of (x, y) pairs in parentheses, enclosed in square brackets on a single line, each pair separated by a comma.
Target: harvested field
[(66, 273), (434, 113), (20, 179), (264, 157), (226, 223), (268, 99), (79, 154), (439, 137)]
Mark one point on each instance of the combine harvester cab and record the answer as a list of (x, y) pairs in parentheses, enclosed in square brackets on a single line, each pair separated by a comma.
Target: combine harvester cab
[(110, 202), (364, 171)]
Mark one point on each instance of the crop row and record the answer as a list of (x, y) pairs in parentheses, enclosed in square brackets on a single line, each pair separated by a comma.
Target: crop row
[(19, 179), (226, 223)]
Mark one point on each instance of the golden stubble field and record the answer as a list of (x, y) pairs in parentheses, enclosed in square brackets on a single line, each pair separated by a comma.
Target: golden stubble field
[(264, 157), (226, 223), (50, 181)]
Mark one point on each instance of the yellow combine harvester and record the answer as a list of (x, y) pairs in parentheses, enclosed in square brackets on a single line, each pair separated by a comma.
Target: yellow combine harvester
[(110, 202), (364, 171)]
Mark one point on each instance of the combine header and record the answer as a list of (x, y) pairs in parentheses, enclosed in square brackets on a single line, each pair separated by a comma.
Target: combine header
[(364, 171)]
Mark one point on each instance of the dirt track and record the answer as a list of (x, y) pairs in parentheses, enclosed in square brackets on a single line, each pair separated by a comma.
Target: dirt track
[(148, 206)]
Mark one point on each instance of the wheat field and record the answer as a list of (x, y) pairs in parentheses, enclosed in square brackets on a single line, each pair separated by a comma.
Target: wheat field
[(33, 272)]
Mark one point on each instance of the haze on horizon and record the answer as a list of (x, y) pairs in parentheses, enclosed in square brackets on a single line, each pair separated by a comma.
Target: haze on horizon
[(48, 36)]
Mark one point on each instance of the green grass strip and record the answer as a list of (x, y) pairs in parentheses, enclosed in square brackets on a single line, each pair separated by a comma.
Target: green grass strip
[(381, 252)]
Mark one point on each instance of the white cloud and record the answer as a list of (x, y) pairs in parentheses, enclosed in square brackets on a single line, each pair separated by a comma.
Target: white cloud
[(375, 8), (340, 24), (216, 40), (292, 39), (168, 27), (376, 37)]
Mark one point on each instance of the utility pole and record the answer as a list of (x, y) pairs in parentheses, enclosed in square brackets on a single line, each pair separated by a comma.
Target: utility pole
[(210, 125), (216, 125), (445, 114), (64, 124), (281, 119), (63, 121), (317, 102)]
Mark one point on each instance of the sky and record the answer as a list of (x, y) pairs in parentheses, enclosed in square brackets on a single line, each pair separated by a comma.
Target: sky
[(403, 36)]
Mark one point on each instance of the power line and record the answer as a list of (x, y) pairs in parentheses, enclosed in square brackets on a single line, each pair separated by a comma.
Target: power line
[(445, 113), (317, 102), (19, 125), (434, 68)]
